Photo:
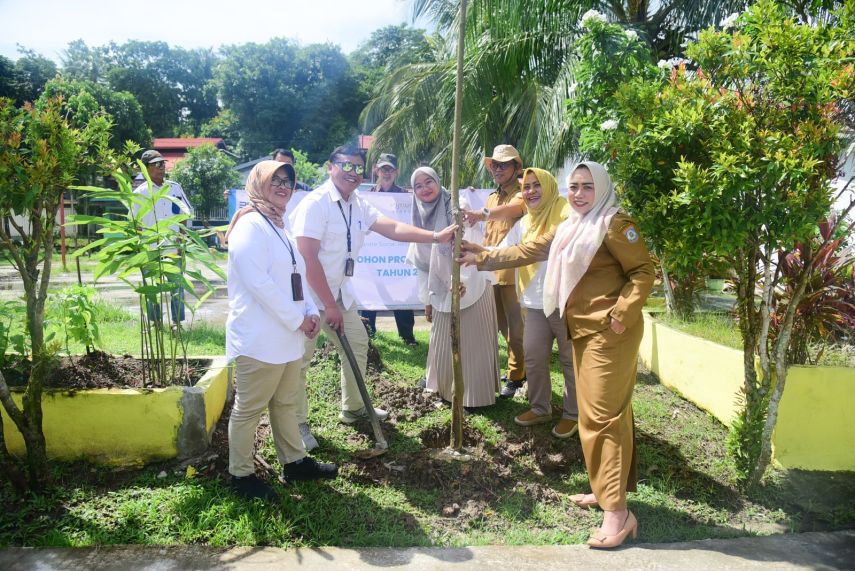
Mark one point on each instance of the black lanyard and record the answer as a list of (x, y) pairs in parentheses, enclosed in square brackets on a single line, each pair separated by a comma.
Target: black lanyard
[(346, 222), (281, 239)]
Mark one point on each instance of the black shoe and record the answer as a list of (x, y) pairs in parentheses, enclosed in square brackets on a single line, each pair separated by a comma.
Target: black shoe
[(469, 410), (250, 487), (510, 389), (422, 384), (308, 468), (411, 342)]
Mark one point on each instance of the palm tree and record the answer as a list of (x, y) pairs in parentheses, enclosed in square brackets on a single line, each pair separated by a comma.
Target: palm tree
[(518, 74)]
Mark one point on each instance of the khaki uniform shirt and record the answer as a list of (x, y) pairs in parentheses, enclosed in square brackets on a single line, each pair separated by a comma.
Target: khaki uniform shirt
[(496, 230), (616, 284)]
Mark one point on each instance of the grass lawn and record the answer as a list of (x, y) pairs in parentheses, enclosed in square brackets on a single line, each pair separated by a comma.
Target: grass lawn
[(514, 491)]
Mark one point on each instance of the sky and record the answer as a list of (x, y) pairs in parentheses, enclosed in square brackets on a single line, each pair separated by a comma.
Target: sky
[(47, 26)]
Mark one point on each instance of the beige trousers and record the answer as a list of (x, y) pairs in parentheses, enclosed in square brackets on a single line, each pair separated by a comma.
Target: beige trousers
[(606, 365), (357, 337), (258, 386), (540, 332), (509, 314)]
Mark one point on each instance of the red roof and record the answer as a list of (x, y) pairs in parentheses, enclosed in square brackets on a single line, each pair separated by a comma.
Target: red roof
[(185, 143), (174, 149), (365, 141)]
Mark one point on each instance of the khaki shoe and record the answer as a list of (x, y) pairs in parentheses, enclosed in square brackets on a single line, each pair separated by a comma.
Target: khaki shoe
[(529, 418), (565, 428)]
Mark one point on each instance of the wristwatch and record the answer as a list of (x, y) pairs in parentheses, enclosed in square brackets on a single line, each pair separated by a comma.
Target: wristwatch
[(486, 212), (435, 237)]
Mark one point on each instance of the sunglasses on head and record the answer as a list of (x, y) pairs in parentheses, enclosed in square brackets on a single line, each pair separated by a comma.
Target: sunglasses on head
[(348, 166)]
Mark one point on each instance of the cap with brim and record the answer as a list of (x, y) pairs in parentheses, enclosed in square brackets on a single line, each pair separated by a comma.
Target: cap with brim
[(151, 156), (503, 154), (387, 160)]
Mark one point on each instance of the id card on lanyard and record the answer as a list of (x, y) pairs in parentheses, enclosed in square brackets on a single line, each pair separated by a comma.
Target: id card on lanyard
[(349, 263), (296, 278)]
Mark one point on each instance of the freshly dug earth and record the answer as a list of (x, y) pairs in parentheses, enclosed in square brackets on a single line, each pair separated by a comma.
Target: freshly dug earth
[(98, 370), (469, 487)]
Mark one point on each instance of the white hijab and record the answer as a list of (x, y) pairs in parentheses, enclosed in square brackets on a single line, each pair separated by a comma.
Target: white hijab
[(577, 240)]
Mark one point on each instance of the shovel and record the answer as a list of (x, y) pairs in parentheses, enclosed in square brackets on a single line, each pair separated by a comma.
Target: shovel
[(380, 444)]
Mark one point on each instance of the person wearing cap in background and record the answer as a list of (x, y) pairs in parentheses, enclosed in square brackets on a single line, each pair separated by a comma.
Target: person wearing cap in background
[(386, 171), (504, 207), (155, 165)]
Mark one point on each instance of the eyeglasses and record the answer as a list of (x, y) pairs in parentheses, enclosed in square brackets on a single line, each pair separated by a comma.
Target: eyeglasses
[(348, 166), (158, 165), (282, 182), (387, 169), (497, 166)]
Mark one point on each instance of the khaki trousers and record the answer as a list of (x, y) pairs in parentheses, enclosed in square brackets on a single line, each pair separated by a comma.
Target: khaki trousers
[(357, 337), (606, 364), (509, 314), (258, 386), (540, 332)]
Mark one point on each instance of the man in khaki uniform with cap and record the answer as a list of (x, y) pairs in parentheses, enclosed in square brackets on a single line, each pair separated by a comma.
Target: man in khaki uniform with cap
[(504, 207)]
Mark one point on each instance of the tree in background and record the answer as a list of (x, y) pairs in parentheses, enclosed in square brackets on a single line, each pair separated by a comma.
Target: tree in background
[(204, 173), (172, 85), (386, 50), (282, 95), (518, 74), (733, 160), (83, 100), (307, 172), (25, 79), (41, 155)]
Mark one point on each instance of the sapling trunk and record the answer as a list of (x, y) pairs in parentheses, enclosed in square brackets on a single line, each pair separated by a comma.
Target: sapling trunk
[(457, 364)]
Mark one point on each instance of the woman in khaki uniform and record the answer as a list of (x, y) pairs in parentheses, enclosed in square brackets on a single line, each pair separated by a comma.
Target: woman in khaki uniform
[(599, 275)]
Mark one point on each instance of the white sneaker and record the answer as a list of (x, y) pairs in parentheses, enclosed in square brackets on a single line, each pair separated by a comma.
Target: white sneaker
[(309, 441), (351, 416)]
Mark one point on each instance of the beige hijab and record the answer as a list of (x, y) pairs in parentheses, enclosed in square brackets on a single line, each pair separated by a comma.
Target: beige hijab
[(258, 191), (577, 240)]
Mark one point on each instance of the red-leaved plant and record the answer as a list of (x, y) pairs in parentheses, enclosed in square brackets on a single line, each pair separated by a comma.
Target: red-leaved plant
[(827, 310)]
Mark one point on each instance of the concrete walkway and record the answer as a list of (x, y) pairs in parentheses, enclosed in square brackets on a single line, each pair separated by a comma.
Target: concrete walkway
[(797, 551)]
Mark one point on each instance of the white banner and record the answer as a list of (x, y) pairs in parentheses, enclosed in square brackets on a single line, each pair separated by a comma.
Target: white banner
[(382, 279)]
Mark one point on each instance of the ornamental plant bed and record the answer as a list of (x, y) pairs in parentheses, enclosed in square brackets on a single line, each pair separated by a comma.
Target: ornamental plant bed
[(97, 370), (100, 408)]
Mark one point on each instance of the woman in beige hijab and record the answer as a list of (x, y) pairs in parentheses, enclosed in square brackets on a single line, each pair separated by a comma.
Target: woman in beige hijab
[(270, 315), (598, 276)]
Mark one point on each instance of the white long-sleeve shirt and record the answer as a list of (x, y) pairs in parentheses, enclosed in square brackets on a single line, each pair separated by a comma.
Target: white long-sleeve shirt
[(264, 319), (532, 297)]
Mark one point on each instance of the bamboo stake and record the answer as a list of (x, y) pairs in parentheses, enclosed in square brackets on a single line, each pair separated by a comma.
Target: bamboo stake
[(457, 399)]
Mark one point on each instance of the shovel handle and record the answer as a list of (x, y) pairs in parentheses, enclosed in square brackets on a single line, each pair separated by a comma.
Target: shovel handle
[(380, 440)]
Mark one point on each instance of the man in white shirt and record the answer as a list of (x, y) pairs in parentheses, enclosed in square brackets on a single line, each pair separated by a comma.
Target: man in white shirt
[(330, 225), (164, 208)]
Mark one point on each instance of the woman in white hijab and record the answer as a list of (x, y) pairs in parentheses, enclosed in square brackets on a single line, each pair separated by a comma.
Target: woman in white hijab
[(598, 275), (479, 352)]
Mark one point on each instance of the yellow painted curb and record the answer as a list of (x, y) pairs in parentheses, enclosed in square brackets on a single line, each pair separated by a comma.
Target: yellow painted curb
[(814, 429), (121, 427)]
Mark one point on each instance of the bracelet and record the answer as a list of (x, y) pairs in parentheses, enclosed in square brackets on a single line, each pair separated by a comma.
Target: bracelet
[(486, 212), (435, 237)]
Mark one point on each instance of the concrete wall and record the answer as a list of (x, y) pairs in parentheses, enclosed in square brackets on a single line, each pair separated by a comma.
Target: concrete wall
[(814, 429), (129, 426)]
